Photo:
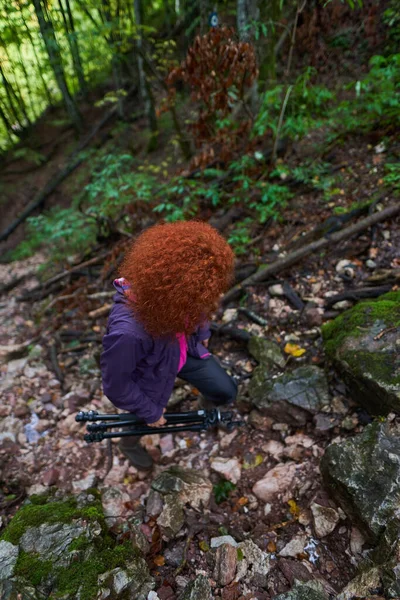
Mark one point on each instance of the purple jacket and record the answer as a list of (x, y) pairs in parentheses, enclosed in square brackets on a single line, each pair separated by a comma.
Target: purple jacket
[(139, 371)]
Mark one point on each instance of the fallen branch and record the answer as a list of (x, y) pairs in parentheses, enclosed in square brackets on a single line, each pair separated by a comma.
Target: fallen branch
[(253, 316), (236, 334), (56, 366), (358, 294), (100, 312), (292, 297), (87, 263), (297, 255)]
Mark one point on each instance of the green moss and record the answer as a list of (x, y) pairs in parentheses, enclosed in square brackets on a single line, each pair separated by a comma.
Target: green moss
[(357, 320), (36, 513), (31, 568), (381, 364)]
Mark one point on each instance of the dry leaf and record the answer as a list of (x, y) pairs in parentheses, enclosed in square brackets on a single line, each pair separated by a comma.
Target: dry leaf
[(204, 546), (271, 546), (294, 350), (243, 501), (159, 560), (294, 509)]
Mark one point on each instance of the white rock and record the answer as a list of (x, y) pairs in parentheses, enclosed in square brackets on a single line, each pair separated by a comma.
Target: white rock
[(371, 264), (267, 509), (229, 315), (357, 541), (228, 467), (16, 366), (254, 561), (273, 448), (223, 539), (299, 439), (167, 443), (342, 305), (325, 519), (294, 547), (276, 290), (275, 482), (84, 484), (227, 439), (342, 265), (30, 372)]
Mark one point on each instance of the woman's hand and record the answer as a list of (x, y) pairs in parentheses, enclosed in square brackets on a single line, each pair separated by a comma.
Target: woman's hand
[(161, 421)]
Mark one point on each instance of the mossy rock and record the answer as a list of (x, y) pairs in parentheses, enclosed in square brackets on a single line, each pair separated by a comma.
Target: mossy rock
[(198, 589), (363, 475), (187, 485), (293, 397), (63, 547), (266, 352), (310, 590), (364, 342)]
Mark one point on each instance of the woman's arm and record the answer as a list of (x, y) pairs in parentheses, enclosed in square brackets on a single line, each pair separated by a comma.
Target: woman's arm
[(118, 361)]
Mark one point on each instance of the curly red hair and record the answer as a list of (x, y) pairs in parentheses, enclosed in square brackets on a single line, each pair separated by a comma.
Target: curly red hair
[(177, 272)]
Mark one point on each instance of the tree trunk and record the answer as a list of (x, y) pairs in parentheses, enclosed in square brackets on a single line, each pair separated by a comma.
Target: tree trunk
[(73, 44), (10, 97), (271, 15), (145, 90), (248, 13), (6, 122), (54, 54), (29, 35)]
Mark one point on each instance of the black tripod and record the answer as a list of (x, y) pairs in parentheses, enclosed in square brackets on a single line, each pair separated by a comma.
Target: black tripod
[(198, 420)]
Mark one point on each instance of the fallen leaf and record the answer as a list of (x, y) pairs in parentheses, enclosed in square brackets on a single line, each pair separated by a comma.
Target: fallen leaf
[(204, 546), (294, 509), (294, 350), (159, 560), (243, 501), (373, 252), (271, 546)]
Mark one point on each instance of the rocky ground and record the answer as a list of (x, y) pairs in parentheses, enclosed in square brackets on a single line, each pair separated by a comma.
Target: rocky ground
[(300, 502)]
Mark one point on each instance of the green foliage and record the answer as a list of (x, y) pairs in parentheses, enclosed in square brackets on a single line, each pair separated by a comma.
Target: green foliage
[(222, 490), (376, 98), (306, 106), (240, 237), (392, 177)]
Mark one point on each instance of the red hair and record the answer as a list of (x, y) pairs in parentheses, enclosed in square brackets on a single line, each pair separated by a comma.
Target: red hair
[(177, 272)]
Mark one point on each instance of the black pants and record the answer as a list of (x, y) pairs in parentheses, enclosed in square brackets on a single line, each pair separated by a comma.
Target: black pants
[(207, 375)]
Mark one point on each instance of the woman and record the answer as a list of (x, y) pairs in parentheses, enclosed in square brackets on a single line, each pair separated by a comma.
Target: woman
[(171, 280)]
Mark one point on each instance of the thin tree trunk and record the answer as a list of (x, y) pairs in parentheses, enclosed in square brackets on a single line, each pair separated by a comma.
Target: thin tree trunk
[(29, 35), (145, 91), (9, 93), (73, 44), (54, 54), (6, 122), (247, 13), (27, 83)]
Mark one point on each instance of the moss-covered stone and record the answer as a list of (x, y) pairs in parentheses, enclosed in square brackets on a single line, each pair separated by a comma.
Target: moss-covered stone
[(266, 352), (363, 475), (310, 590), (64, 547), (364, 344)]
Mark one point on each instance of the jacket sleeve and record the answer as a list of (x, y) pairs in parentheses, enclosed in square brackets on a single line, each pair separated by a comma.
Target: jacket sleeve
[(118, 361), (203, 332)]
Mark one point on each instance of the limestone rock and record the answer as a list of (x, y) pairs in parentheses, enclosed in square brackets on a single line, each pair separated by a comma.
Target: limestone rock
[(223, 539), (363, 344), (252, 561), (277, 481), (225, 564), (172, 517), (362, 586), (266, 352), (8, 559), (114, 504), (310, 590), (363, 475), (294, 547), (154, 504), (199, 589), (292, 397), (191, 487), (228, 467), (325, 519)]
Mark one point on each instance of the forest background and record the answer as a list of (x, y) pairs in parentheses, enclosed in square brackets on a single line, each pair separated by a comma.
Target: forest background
[(113, 111)]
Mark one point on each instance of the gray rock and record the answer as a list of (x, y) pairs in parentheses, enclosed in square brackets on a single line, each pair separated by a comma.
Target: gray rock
[(189, 485), (266, 352), (251, 561), (363, 474), (172, 517), (310, 590), (363, 344), (154, 504), (8, 559), (51, 541), (132, 581), (292, 397), (223, 539), (362, 586), (325, 519), (174, 555), (199, 589)]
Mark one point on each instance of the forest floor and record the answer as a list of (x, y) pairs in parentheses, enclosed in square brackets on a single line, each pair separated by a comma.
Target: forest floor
[(41, 445)]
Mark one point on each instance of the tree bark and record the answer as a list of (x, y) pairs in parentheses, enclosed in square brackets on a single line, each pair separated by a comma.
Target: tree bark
[(54, 54), (73, 43), (145, 90), (248, 13)]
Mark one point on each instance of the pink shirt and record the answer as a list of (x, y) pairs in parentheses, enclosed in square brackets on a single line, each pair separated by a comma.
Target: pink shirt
[(183, 349)]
